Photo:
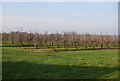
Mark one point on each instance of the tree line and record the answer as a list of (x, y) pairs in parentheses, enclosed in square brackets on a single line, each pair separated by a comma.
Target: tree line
[(56, 40)]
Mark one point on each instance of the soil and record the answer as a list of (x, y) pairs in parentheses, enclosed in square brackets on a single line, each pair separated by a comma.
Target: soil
[(67, 50)]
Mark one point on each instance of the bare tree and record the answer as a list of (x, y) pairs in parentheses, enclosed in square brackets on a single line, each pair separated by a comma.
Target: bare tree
[(56, 40), (65, 41)]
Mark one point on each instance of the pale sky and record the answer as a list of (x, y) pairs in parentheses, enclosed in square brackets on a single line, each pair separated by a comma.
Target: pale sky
[(60, 0), (81, 17)]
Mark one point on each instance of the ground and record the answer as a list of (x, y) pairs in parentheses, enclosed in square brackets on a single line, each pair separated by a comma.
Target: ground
[(29, 63)]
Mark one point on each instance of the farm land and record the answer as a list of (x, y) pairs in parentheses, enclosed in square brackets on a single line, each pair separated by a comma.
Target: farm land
[(59, 56)]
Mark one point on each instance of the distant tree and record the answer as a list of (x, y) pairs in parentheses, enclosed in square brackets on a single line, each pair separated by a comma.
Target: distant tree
[(46, 39), (65, 41), (12, 37)]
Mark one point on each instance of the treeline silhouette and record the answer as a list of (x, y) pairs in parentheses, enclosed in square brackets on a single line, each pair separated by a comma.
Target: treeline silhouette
[(56, 40)]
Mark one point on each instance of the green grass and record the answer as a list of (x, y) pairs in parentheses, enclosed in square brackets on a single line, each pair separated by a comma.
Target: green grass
[(20, 63)]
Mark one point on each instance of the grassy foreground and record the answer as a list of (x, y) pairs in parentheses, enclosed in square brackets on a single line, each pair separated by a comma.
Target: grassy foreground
[(21, 63)]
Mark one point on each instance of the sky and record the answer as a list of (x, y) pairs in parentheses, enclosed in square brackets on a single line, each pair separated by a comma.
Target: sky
[(80, 17), (60, 0)]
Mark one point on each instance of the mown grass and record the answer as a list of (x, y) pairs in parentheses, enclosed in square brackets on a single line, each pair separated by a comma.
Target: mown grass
[(21, 63)]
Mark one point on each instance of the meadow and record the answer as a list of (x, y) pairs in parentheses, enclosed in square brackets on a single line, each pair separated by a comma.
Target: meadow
[(59, 56), (44, 63)]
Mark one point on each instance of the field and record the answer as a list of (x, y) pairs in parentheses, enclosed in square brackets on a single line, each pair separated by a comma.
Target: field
[(29, 63)]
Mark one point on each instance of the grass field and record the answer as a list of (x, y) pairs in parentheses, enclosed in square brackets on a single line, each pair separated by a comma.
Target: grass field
[(22, 63)]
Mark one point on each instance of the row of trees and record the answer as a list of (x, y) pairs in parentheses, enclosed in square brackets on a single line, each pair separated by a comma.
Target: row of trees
[(56, 40)]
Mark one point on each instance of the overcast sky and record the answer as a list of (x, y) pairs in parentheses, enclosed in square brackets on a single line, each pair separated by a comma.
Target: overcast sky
[(81, 17)]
